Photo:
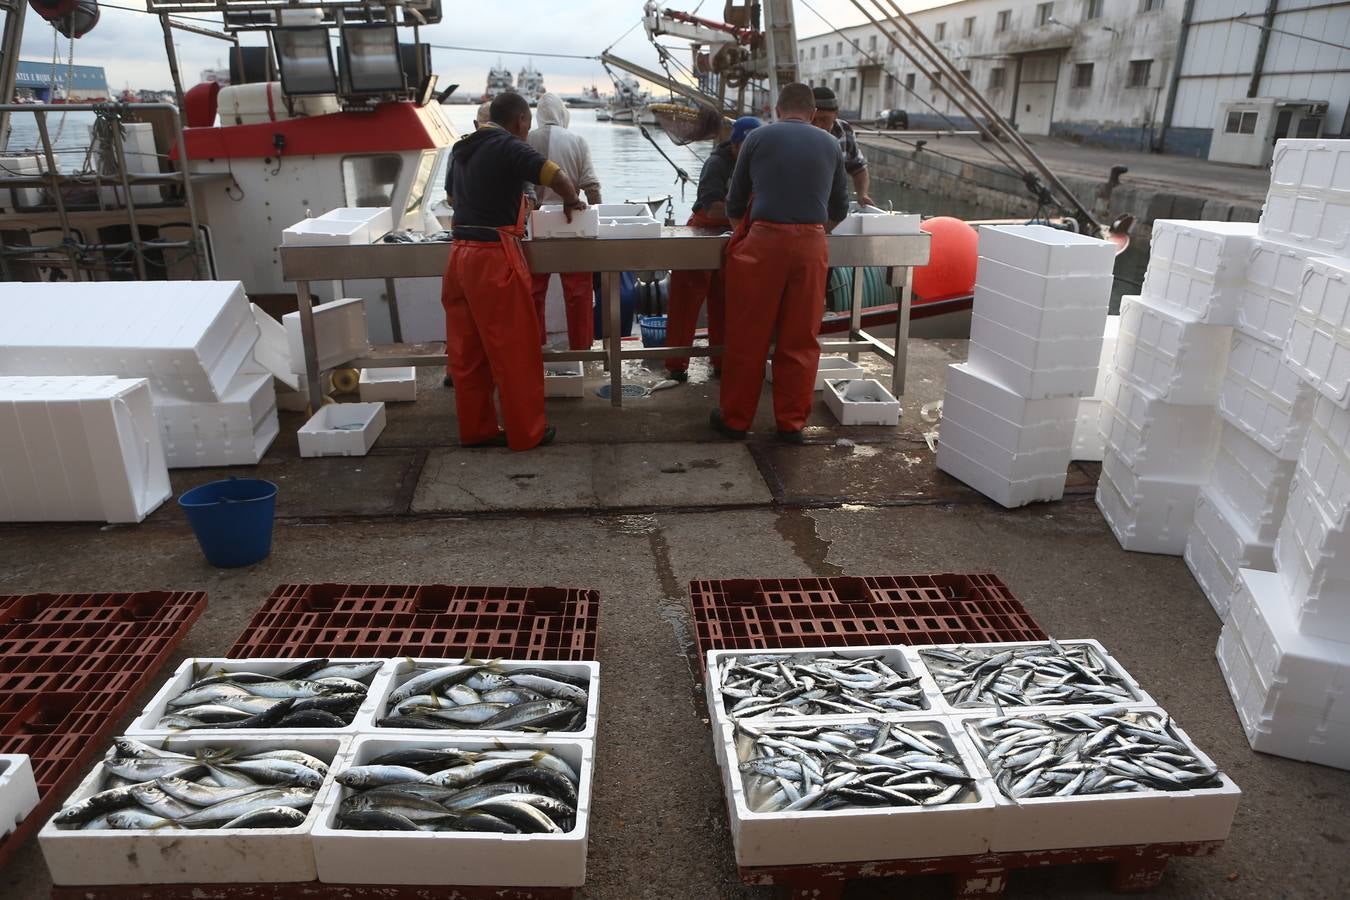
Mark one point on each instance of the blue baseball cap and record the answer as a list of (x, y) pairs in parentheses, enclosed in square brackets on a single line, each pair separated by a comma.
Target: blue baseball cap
[(743, 126)]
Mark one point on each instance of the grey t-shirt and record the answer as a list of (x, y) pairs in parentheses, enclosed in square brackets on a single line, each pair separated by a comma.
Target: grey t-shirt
[(794, 171)]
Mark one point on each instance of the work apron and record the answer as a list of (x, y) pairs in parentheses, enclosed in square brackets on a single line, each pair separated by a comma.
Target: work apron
[(688, 289)]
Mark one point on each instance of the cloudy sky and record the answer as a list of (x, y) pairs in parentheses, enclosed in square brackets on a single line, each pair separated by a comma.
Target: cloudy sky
[(130, 47)]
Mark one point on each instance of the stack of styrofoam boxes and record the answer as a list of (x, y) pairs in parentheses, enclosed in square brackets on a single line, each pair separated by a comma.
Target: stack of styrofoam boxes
[(1089, 443), (1009, 414), (18, 791), (1159, 417)]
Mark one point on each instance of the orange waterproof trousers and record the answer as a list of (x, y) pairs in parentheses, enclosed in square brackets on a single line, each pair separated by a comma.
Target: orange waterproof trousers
[(491, 339), (775, 280), (687, 292), (579, 302)]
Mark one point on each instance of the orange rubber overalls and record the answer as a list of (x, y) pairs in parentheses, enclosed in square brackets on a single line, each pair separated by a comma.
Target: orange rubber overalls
[(688, 288), (579, 302)]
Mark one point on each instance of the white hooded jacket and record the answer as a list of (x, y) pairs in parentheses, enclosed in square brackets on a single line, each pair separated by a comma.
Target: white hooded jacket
[(570, 151)]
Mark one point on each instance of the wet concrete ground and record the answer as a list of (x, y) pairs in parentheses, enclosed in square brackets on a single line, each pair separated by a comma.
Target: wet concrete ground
[(707, 509)]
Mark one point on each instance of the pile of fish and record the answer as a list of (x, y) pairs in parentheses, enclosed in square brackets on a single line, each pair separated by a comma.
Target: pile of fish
[(507, 791), (1048, 674), (151, 788), (1103, 752), (482, 696), (793, 766), (777, 684), (317, 693)]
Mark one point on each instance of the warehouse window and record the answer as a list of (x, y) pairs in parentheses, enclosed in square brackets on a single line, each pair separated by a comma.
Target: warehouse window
[(852, 86), (940, 31), (935, 80), (839, 48), (825, 51), (1044, 13), (1092, 9), (1140, 70), (1241, 122), (965, 73), (1004, 21), (1082, 75), (1150, 5), (909, 82), (968, 27), (837, 82), (997, 76), (813, 52), (872, 43)]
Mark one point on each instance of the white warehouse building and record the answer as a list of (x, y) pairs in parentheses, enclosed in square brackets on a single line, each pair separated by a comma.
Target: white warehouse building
[(1105, 72)]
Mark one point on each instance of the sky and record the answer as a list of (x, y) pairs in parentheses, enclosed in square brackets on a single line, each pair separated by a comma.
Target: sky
[(130, 45)]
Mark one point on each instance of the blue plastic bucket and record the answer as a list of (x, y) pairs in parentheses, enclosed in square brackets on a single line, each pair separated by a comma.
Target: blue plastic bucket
[(653, 330), (232, 520)]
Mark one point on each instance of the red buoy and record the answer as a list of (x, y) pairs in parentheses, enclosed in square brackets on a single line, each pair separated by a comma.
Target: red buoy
[(951, 268)]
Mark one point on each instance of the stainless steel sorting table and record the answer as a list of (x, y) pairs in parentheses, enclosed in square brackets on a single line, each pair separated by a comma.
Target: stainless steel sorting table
[(676, 248)]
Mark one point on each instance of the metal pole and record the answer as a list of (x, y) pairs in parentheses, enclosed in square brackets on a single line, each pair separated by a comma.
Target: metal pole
[(9, 58), (900, 363), (395, 325), (310, 343), (1169, 110), (855, 310), (120, 157), (198, 242), (173, 60), (610, 285), (1262, 44), (40, 119)]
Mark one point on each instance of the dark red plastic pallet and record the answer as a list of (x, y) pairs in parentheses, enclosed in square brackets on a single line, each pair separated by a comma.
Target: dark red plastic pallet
[(70, 666), (308, 890), (751, 614), (433, 620)]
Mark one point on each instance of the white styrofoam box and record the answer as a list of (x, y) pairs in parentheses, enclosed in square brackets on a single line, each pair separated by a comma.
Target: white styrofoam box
[(888, 222), (1079, 292), (1003, 447), (1080, 350), (1035, 369), (1253, 481), (1265, 398), (194, 668), (1270, 293), (1041, 322), (176, 856), (1047, 251), (1317, 222), (829, 367), (1089, 443), (994, 485), (79, 448), (188, 338), (1324, 293), (343, 856), (564, 379), (1218, 545), (1146, 514), (1324, 462), (861, 401), (1005, 418), (857, 833), (1293, 666), (1272, 725), (1313, 558), (549, 222), (1204, 565), (619, 227), (1315, 164), (342, 429), (1179, 361), (339, 334), (390, 385), (343, 226), (236, 431), (1110, 340), (1105, 820), (1157, 438), (1319, 357), (614, 210), (400, 670), (273, 351), (1214, 251), (18, 790), (1194, 298)]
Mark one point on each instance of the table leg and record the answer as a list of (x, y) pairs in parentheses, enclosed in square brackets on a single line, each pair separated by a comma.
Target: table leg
[(855, 311), (611, 283), (901, 361), (395, 326), (306, 309)]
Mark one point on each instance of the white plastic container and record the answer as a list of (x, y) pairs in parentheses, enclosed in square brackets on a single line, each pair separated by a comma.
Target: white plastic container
[(996, 486), (1218, 545), (1265, 398), (1089, 444), (1179, 361), (342, 856), (342, 429), (1198, 268), (861, 401), (1147, 515), (147, 723), (1157, 438), (549, 221), (844, 835), (1047, 251), (175, 856), (1072, 292), (339, 334), (1253, 482), (236, 431), (79, 448), (1324, 462), (393, 385), (564, 379), (829, 367), (1318, 222), (1034, 368), (1039, 321), (18, 791), (343, 226), (1313, 559)]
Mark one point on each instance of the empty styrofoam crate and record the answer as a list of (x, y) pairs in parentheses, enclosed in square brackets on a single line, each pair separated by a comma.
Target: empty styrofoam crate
[(344, 856), (1264, 397), (1034, 368), (1157, 438), (549, 221), (1040, 321), (887, 222), (272, 353), (18, 790), (339, 334), (1253, 481), (1110, 341), (1004, 417), (388, 385), (1179, 361), (1214, 254), (1316, 222), (1324, 293), (1193, 297), (1218, 545), (342, 429), (1146, 514), (1047, 251), (1320, 165), (829, 367), (1324, 462), (1270, 293), (861, 401), (1080, 292), (997, 487), (1089, 444), (624, 227), (79, 449), (351, 225), (1312, 555), (235, 431), (965, 429), (1321, 358), (564, 379), (187, 338), (192, 856)]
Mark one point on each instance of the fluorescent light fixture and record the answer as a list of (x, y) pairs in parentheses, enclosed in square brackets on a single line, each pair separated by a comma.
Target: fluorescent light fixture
[(371, 61), (305, 62)]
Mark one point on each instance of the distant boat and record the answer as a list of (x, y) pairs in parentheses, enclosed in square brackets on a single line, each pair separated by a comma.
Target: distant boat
[(629, 102), (602, 114), (588, 99), (530, 84), (499, 81)]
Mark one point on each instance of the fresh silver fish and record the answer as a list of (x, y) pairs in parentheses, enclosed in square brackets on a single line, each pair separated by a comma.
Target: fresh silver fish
[(779, 685), (1050, 674)]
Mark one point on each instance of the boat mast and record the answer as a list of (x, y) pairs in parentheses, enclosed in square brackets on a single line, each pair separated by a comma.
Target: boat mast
[(9, 58)]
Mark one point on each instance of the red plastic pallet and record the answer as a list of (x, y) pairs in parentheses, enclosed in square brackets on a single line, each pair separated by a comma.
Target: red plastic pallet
[(70, 666), (753, 614), (308, 890), (433, 620)]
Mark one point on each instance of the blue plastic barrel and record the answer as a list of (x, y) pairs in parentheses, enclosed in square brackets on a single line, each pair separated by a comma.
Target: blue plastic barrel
[(627, 305), (232, 520)]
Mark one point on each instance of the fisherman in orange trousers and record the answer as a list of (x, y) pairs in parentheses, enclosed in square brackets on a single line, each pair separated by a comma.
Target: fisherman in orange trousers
[(688, 288), (492, 330), (788, 190)]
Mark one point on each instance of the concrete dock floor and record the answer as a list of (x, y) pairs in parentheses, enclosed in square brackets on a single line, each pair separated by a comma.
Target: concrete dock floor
[(639, 501)]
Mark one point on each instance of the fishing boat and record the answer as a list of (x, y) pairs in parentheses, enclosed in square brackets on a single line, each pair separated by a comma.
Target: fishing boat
[(628, 104), (587, 99), (499, 80), (530, 84)]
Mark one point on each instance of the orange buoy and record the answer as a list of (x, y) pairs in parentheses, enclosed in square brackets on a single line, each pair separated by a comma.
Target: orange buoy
[(951, 268)]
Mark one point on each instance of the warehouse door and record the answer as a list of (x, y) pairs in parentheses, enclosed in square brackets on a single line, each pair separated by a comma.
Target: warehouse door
[(1036, 93)]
